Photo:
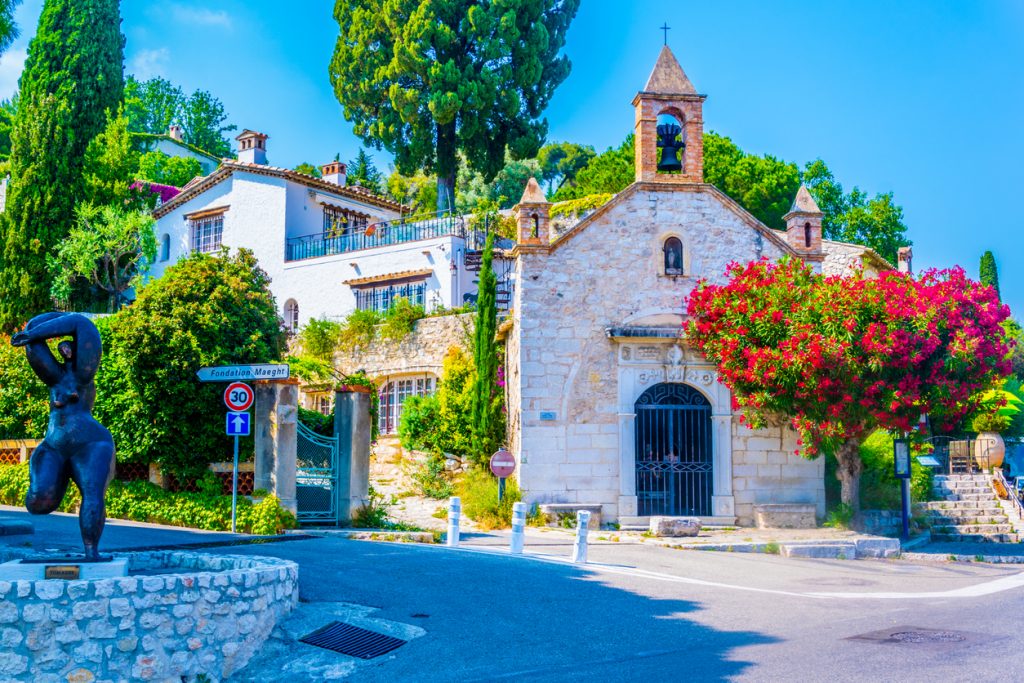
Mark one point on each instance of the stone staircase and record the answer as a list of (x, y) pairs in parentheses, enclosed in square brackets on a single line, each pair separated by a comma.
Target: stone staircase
[(967, 510)]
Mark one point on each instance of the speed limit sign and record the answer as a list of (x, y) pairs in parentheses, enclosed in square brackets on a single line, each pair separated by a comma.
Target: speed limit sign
[(238, 397)]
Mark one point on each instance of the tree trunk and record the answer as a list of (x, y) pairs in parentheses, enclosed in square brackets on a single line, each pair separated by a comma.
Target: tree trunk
[(447, 166), (848, 469)]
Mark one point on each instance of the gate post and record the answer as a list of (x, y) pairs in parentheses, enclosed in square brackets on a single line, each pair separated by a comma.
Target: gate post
[(352, 429), (276, 415)]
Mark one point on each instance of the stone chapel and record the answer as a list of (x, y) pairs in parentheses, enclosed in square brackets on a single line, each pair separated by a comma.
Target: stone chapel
[(607, 405)]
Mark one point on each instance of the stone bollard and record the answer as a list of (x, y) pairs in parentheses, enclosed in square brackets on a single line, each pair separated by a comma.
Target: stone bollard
[(454, 511), (518, 526), (579, 550)]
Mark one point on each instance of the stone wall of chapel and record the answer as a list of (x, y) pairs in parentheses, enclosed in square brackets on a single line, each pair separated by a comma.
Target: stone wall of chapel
[(766, 469), (605, 275)]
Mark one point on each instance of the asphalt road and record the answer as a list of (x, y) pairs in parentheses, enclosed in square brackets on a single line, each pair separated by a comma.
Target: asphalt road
[(641, 612)]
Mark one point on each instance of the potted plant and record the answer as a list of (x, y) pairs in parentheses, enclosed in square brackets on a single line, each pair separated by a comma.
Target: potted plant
[(998, 407)]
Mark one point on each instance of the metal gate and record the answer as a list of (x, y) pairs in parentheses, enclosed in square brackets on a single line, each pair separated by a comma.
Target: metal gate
[(673, 452), (316, 476)]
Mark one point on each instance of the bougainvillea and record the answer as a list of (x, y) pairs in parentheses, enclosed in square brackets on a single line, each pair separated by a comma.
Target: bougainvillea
[(842, 356)]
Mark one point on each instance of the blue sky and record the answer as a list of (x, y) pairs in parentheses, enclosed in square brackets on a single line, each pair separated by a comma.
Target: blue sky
[(922, 98)]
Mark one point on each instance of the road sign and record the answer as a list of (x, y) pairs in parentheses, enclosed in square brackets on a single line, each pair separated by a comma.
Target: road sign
[(502, 464), (232, 373), (238, 396), (238, 424)]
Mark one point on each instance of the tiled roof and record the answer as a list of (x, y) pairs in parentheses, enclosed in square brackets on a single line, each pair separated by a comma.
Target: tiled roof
[(804, 202), (667, 77), (533, 194), (229, 166), (388, 277)]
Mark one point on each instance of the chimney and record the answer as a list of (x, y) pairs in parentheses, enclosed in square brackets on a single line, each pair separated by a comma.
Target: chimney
[(252, 147), (904, 256), (334, 172), (174, 132)]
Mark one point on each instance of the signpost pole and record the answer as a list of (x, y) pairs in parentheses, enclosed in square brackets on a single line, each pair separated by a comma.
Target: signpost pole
[(905, 490), (903, 465), (234, 488), (501, 488)]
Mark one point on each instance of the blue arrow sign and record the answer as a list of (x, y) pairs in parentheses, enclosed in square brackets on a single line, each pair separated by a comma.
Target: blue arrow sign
[(238, 424)]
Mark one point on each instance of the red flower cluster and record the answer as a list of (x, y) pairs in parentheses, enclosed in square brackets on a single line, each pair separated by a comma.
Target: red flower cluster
[(841, 356)]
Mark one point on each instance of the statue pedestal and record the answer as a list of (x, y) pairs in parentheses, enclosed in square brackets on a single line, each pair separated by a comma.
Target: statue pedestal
[(63, 568)]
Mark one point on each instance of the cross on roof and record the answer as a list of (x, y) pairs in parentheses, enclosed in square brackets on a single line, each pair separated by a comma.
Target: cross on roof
[(665, 28)]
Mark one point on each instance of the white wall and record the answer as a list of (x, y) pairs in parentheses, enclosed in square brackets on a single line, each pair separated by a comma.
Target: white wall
[(173, 149)]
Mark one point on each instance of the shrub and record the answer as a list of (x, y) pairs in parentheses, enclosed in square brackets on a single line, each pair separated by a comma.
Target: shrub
[(574, 207), (358, 329), (880, 490), (373, 515), (317, 421), (400, 320), (479, 493), (24, 399), (432, 479), (142, 501), (205, 310), (319, 338), (442, 423)]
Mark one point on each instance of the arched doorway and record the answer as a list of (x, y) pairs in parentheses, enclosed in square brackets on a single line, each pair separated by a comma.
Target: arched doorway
[(673, 451)]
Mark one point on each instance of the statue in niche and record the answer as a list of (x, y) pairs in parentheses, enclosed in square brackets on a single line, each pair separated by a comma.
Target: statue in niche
[(673, 249), (76, 448)]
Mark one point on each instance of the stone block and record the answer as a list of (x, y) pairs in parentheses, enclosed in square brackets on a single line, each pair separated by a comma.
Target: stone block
[(877, 547), (675, 526), (785, 516), (761, 443), (828, 551)]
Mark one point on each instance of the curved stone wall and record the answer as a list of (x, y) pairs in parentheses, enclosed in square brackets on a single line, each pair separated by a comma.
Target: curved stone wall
[(180, 614)]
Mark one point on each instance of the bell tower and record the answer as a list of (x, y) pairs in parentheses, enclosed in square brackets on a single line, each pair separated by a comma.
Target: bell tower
[(803, 224), (670, 151)]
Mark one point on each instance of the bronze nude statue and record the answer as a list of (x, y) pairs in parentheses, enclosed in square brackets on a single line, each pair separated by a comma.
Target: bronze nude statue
[(76, 447)]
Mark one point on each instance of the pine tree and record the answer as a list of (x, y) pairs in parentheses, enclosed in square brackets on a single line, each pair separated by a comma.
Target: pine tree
[(486, 406), (362, 172), (988, 272), (73, 76)]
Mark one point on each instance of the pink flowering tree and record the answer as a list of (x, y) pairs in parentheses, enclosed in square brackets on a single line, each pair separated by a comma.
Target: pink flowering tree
[(839, 357)]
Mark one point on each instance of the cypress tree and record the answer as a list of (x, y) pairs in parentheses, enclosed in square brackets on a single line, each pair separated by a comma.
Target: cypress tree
[(486, 406), (74, 74), (988, 272)]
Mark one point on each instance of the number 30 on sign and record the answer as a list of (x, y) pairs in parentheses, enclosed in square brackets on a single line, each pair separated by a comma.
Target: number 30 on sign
[(238, 397)]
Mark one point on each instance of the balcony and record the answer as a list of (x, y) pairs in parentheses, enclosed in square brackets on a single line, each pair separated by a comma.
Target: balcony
[(381, 234)]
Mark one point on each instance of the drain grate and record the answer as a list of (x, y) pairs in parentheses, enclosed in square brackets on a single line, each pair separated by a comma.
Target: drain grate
[(927, 637), (352, 640)]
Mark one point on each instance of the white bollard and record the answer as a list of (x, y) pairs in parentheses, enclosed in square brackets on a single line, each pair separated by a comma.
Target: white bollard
[(454, 511), (579, 550), (518, 525)]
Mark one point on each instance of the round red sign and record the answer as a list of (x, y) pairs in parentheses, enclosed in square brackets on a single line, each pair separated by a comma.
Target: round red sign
[(502, 464), (238, 396)]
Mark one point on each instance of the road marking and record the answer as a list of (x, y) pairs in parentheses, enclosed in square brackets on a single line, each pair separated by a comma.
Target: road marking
[(978, 590)]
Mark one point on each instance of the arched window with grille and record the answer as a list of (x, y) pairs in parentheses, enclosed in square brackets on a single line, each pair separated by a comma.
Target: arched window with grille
[(291, 316), (394, 393)]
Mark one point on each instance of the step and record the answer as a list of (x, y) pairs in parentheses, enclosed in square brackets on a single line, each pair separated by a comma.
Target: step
[(959, 478), (983, 529), (974, 538), (961, 489), (958, 505), (969, 496), (946, 520)]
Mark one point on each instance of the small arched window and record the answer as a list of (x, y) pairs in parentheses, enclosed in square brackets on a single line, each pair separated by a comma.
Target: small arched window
[(673, 251), (807, 235), (291, 316), (165, 248), (535, 230)]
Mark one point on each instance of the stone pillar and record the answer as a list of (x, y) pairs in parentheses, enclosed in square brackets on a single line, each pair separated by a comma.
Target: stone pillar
[(276, 417), (722, 502), (352, 428), (627, 503)]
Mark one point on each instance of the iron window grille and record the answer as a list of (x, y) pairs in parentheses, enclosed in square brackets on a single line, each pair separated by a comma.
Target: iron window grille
[(380, 299), (207, 234)]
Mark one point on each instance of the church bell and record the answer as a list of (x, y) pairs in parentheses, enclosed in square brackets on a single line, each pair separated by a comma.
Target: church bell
[(671, 148)]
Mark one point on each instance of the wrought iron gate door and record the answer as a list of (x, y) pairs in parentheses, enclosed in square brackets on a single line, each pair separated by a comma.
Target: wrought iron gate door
[(673, 451), (316, 476)]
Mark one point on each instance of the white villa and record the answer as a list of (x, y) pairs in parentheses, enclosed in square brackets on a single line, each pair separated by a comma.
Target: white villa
[(328, 248)]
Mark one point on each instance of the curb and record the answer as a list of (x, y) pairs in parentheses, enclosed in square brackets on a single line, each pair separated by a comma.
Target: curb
[(370, 535)]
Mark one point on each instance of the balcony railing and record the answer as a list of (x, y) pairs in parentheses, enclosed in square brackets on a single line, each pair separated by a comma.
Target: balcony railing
[(381, 234)]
